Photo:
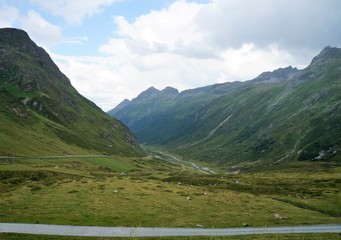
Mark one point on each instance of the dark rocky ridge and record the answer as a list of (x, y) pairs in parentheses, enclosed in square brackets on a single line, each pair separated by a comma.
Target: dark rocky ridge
[(24, 45)]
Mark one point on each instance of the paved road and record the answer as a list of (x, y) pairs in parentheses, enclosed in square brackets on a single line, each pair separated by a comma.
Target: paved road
[(67, 230)]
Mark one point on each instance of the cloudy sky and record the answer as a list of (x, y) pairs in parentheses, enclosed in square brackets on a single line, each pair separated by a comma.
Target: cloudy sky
[(115, 49)]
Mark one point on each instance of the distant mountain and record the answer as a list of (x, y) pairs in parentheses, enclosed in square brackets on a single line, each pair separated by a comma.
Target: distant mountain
[(284, 115), (41, 113), (145, 104)]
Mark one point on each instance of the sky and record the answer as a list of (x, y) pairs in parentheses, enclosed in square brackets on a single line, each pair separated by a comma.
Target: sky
[(113, 50)]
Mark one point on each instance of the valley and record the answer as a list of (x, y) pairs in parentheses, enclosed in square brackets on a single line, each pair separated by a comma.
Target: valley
[(278, 117), (259, 153)]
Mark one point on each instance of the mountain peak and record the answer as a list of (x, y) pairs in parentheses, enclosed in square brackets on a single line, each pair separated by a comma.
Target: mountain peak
[(124, 103), (23, 48), (151, 90), (326, 54), (170, 90), (277, 75), (120, 106), (10, 33), (22, 40), (148, 93)]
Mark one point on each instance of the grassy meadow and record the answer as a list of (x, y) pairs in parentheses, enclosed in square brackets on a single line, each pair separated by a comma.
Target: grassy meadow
[(301, 236), (120, 191)]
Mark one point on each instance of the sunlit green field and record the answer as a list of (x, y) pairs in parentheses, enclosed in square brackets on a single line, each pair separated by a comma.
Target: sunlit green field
[(118, 191)]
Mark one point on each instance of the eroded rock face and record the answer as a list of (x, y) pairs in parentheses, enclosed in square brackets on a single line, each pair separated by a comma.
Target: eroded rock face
[(3, 55)]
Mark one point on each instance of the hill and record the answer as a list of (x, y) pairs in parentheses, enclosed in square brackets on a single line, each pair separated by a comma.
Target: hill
[(279, 116), (41, 113)]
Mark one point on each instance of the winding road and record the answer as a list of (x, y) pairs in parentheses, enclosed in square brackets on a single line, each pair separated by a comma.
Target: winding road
[(95, 231)]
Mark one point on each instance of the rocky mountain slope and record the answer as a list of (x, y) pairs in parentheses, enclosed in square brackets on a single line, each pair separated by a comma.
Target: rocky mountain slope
[(284, 115), (41, 113)]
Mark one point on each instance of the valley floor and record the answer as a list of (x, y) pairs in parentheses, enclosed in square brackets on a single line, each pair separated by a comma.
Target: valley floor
[(148, 192)]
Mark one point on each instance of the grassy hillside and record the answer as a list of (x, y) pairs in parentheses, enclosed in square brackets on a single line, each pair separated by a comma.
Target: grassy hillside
[(41, 113), (280, 116)]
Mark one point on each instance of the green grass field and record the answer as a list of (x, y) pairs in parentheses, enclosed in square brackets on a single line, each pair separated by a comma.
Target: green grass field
[(303, 236), (118, 191)]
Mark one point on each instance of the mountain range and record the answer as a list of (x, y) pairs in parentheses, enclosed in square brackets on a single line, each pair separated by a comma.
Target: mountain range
[(41, 113), (278, 117)]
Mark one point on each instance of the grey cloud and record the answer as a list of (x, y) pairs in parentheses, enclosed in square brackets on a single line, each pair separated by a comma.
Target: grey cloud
[(196, 50), (142, 47), (290, 24)]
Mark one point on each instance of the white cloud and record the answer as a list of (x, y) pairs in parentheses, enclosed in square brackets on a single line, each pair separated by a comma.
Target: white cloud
[(174, 47), (41, 31), (99, 79), (80, 40), (74, 11), (8, 16), (188, 45), (169, 29)]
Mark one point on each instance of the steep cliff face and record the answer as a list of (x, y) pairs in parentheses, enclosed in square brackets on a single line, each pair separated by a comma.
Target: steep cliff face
[(284, 115), (42, 113)]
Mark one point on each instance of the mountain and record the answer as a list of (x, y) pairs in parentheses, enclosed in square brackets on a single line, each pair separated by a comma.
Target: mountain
[(41, 113), (280, 116), (146, 104)]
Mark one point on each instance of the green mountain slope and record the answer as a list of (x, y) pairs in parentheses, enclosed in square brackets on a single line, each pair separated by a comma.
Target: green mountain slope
[(284, 115), (41, 113)]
